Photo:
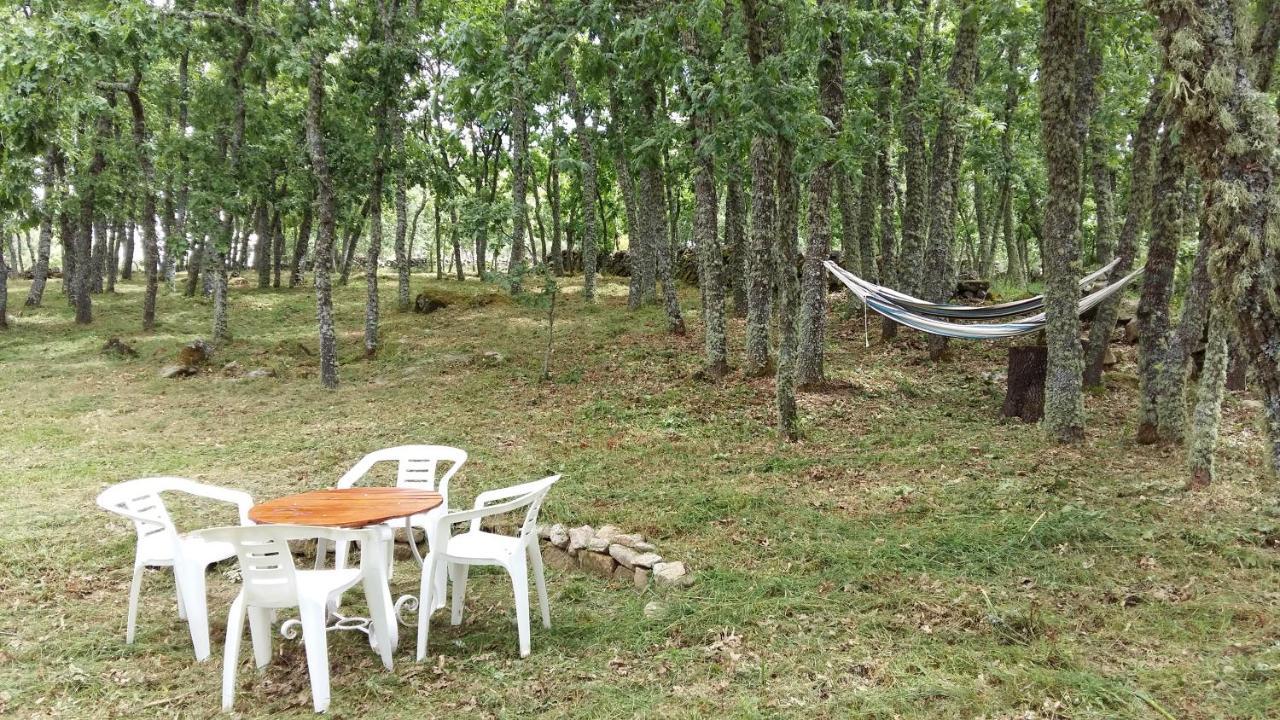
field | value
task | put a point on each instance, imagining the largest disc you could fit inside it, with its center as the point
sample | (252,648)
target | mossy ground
(913,557)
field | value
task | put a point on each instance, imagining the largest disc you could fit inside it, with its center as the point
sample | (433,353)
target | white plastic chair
(272,581)
(161,545)
(457,553)
(417,467)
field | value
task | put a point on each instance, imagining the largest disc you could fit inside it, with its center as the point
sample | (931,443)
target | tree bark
(587,184)
(784,263)
(40,271)
(735,236)
(327,223)
(1137,212)
(809,369)
(761,42)
(915,226)
(300,245)
(83,249)
(1207,416)
(1063,113)
(1157,290)
(939,268)
(519,146)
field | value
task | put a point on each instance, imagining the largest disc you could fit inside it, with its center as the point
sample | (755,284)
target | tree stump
(1025,395)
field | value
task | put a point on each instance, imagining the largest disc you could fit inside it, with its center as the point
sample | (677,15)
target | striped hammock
(976,331)
(970,312)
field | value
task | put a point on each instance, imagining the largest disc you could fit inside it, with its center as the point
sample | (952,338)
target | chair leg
(321,552)
(182,607)
(231,652)
(377,594)
(135,588)
(260,633)
(540,583)
(426,602)
(520,589)
(191,584)
(458,576)
(314,636)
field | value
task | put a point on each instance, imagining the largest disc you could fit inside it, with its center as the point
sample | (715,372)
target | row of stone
(611,554)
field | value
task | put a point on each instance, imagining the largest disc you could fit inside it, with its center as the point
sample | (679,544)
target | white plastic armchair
(161,545)
(272,581)
(418,467)
(517,554)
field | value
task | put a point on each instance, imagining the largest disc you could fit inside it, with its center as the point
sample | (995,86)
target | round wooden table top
(345,507)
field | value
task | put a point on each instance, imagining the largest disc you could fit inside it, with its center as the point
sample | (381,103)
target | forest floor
(913,557)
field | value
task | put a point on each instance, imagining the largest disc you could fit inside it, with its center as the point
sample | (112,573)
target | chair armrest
(445,522)
(489,496)
(241,499)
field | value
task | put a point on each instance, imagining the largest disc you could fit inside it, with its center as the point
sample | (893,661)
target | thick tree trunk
(1024,397)
(939,269)
(1063,113)
(1155,395)
(915,221)
(762,41)
(706,208)
(813,286)
(1141,171)
(277,248)
(40,271)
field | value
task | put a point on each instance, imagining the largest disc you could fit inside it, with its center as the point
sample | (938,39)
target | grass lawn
(913,557)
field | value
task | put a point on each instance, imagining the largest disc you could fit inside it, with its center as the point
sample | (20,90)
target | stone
(598,544)
(544,531)
(491,358)
(177,371)
(558,536)
(557,558)
(629,539)
(644,546)
(195,352)
(238,282)
(231,368)
(1252,405)
(621,575)
(597,564)
(1131,332)
(647,560)
(260,373)
(579,537)
(1109,358)
(609,532)
(640,579)
(654,609)
(119,348)
(672,574)
(624,555)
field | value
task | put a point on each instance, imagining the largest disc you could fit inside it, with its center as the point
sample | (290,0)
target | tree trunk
(784,263)
(327,224)
(40,271)
(277,248)
(867,215)
(915,225)
(1024,397)
(761,42)
(813,286)
(83,251)
(939,268)
(735,237)
(1141,172)
(706,208)
(889,270)
(1208,412)
(553,198)
(1155,394)
(519,145)
(1063,112)
(300,246)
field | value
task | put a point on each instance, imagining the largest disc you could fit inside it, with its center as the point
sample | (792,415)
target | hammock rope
(976,331)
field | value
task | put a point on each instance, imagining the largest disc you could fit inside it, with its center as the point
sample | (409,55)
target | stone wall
(609,553)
